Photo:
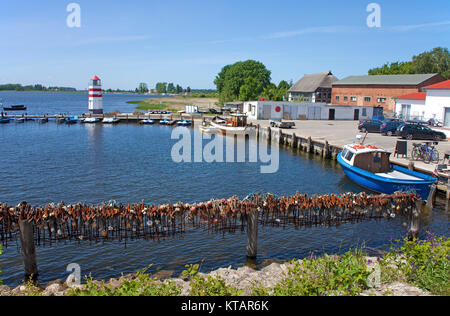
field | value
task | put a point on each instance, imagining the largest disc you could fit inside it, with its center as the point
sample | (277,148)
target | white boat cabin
(368,158)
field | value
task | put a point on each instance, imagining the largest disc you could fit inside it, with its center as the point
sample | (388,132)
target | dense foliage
(0,269)
(242,81)
(435,61)
(36,87)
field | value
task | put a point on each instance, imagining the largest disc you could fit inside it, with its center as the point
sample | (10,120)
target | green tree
(179,89)
(171,88)
(143,88)
(434,61)
(161,87)
(242,81)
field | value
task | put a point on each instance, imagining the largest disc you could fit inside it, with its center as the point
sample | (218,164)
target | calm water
(130,163)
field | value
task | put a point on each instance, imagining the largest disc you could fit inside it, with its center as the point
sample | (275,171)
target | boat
(16,108)
(20,120)
(4,120)
(43,120)
(148,122)
(110,120)
(60,120)
(208,129)
(91,120)
(237,125)
(370,167)
(184,123)
(164,122)
(72,120)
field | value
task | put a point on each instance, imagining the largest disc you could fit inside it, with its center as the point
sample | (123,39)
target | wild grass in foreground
(422,263)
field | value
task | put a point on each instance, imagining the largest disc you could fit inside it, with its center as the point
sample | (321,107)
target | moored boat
(91,120)
(110,120)
(164,122)
(237,125)
(370,167)
(16,108)
(4,120)
(148,122)
(184,123)
(72,120)
(208,129)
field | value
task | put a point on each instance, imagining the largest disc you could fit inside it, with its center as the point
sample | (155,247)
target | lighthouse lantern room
(95,96)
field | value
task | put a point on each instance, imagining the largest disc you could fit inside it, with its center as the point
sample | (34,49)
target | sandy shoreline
(179,102)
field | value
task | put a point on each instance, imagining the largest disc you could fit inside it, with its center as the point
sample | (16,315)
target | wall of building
(266,110)
(418,109)
(377,91)
(437,101)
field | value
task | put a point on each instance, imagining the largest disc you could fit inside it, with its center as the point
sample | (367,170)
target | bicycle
(426,152)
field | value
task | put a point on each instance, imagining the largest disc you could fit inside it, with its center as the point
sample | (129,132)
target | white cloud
(406,28)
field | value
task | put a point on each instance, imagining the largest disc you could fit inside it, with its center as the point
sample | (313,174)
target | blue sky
(188,42)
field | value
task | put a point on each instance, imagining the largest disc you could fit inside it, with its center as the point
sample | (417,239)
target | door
(332,115)
(406,111)
(447,117)
(356,117)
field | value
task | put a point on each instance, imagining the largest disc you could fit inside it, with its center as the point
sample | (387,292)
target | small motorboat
(184,123)
(370,167)
(208,129)
(110,120)
(164,122)
(20,120)
(72,120)
(91,120)
(4,120)
(43,120)
(60,120)
(16,108)
(148,122)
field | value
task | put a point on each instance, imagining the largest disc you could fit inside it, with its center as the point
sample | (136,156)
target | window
(364,112)
(353,99)
(349,156)
(367,99)
(345,98)
(381,100)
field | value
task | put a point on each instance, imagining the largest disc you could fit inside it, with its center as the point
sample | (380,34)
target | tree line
(434,61)
(36,87)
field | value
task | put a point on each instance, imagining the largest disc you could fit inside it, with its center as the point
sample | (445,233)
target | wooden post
(430,200)
(448,189)
(411,166)
(326,153)
(309,148)
(415,220)
(252,234)
(269,134)
(294,140)
(28,251)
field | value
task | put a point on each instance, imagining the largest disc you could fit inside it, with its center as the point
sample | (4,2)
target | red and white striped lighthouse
(95,96)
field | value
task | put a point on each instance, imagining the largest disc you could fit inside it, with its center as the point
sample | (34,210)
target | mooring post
(430,200)
(269,134)
(252,235)
(28,250)
(309,149)
(326,153)
(414,227)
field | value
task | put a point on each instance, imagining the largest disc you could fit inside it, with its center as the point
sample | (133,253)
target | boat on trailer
(370,167)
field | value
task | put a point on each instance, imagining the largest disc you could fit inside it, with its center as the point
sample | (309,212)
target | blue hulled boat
(184,123)
(148,122)
(370,167)
(4,120)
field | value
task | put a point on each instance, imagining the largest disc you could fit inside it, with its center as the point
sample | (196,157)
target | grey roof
(310,83)
(385,79)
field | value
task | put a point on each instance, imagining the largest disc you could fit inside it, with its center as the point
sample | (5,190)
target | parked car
(435,123)
(370,126)
(390,128)
(281,124)
(417,131)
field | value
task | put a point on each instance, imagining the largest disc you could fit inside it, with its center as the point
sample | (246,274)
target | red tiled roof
(440,85)
(413,96)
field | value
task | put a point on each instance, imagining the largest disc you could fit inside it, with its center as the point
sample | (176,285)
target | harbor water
(128,163)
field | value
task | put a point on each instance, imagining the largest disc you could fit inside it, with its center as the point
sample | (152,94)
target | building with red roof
(432,103)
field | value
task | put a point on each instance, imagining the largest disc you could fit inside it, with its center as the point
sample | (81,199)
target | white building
(271,110)
(434,103)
